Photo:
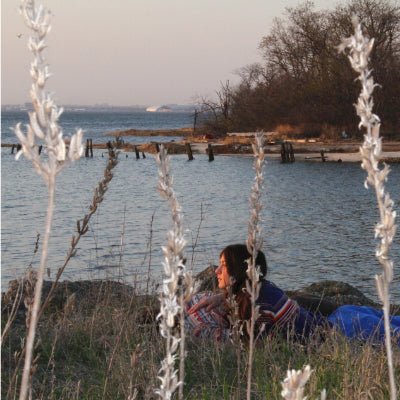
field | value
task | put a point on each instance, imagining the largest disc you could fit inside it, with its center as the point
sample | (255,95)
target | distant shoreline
(151,132)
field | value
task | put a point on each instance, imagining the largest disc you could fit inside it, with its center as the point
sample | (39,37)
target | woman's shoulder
(268,285)
(270,293)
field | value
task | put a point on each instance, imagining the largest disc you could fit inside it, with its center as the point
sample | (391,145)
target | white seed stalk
(254,244)
(359,48)
(44,126)
(43,121)
(177,287)
(294,383)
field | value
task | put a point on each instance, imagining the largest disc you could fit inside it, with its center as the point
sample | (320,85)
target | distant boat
(159,109)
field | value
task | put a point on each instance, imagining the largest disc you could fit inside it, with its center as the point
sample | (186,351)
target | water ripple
(318,218)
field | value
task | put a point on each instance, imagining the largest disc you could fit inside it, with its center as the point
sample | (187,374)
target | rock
(337,292)
(85,295)
(206,280)
(323,296)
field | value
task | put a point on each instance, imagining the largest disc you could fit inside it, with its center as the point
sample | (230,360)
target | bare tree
(303,79)
(218,110)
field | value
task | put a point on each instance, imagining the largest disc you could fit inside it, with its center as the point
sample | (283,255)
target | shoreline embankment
(312,150)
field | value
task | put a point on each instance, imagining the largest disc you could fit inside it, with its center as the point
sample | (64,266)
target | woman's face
(224,279)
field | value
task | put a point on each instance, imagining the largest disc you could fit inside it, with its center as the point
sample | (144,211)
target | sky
(138,52)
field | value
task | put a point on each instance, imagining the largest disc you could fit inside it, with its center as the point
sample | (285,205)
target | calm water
(96,125)
(318,218)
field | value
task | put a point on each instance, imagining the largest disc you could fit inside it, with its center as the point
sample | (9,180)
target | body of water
(318,219)
(97,125)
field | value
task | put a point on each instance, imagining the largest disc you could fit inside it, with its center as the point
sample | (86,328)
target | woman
(276,310)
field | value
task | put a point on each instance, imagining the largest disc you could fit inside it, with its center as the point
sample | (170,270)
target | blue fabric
(277,310)
(365,323)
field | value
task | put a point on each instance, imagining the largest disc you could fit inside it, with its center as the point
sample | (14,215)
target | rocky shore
(324,296)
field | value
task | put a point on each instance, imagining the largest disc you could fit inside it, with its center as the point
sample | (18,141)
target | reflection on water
(318,218)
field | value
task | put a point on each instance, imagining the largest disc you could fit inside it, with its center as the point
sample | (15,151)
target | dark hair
(235,258)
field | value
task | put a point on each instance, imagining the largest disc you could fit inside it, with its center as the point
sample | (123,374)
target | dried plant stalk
(177,286)
(254,244)
(82,225)
(293,384)
(359,48)
(43,126)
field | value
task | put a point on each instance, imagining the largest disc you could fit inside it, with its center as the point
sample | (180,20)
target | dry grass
(104,344)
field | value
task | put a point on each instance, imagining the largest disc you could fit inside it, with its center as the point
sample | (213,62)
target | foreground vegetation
(106,345)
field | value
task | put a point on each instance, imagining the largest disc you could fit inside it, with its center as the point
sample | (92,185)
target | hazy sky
(150,52)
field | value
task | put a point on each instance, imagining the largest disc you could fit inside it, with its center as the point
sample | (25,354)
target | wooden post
(196,113)
(210,153)
(87,148)
(287,148)
(19,147)
(287,152)
(291,153)
(137,153)
(283,152)
(323,158)
(12,148)
(189,152)
(143,155)
(157,147)
(91,147)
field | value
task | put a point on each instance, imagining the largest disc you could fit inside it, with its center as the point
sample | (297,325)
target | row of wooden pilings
(89,150)
(18,147)
(189,151)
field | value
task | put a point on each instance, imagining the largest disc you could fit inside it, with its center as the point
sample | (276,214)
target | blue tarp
(365,323)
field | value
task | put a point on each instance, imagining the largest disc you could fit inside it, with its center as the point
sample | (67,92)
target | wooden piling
(287,152)
(210,152)
(189,152)
(87,148)
(195,115)
(19,147)
(157,147)
(283,152)
(137,153)
(291,153)
(12,148)
(323,158)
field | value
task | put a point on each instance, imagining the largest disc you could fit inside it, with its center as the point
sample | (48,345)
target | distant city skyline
(142,52)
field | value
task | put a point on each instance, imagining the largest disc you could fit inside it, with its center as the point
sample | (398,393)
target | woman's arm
(209,303)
